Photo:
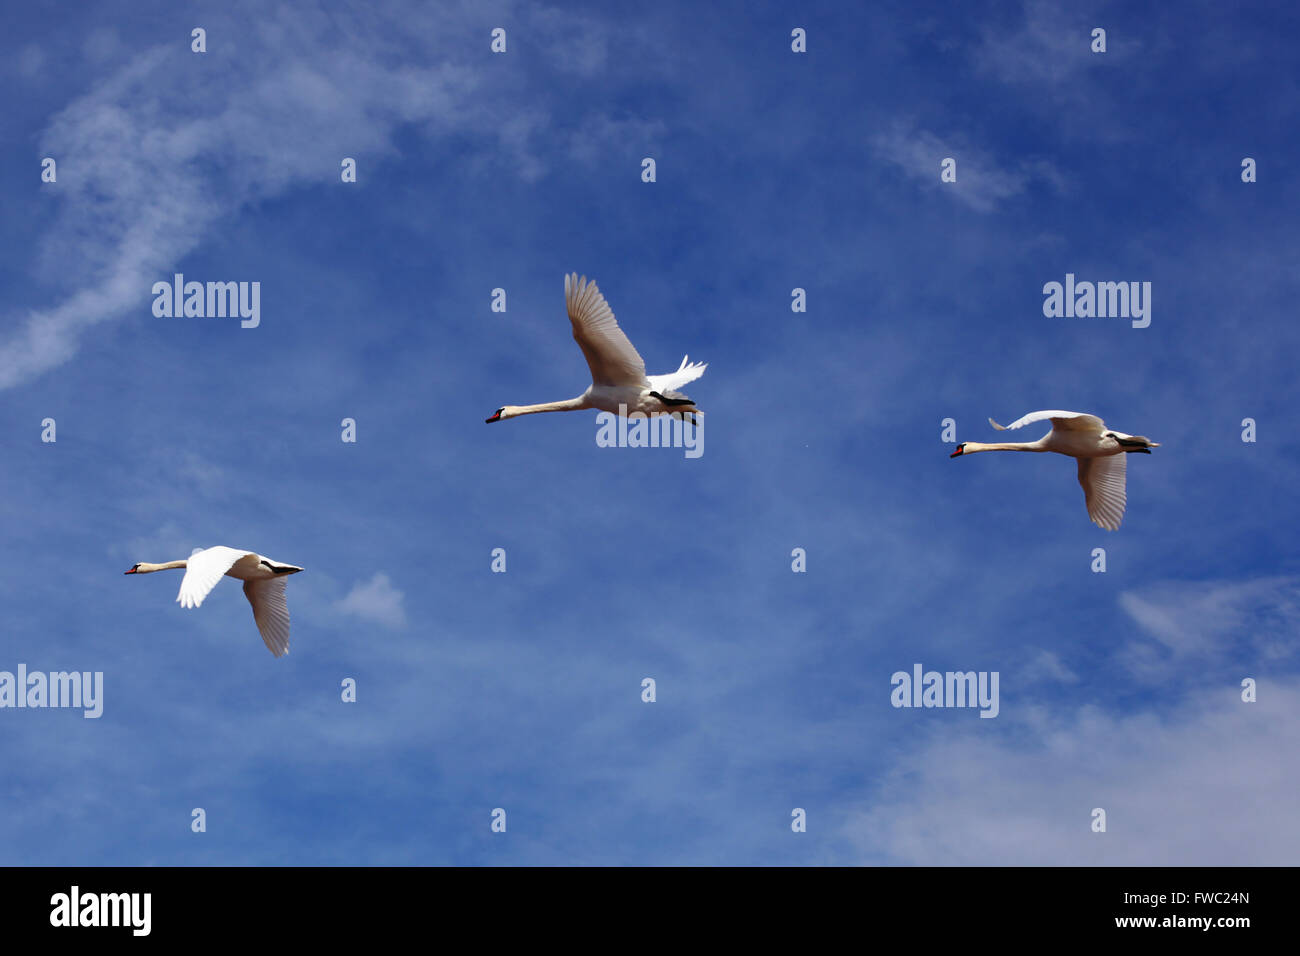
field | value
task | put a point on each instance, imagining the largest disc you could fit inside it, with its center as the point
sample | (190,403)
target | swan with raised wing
(619,382)
(264,582)
(1102,454)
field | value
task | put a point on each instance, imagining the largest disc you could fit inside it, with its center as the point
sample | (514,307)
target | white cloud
(1211,784)
(376,600)
(1050,47)
(1203,622)
(200,474)
(160,151)
(155,155)
(983,182)
(1047,665)
(1207,781)
(1046,48)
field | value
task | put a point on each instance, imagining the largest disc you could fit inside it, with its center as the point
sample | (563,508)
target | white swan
(263,579)
(619,383)
(1101,454)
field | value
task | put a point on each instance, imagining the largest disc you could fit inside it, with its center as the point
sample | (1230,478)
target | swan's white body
(1101,453)
(619,382)
(263,579)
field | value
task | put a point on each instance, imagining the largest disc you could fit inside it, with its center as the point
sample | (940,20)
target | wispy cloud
(167,146)
(1051,45)
(377,601)
(1208,622)
(1047,666)
(138,194)
(1201,786)
(983,182)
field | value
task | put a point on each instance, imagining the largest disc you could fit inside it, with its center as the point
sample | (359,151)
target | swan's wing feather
(202,572)
(610,355)
(670,381)
(1067,421)
(1103,481)
(271,612)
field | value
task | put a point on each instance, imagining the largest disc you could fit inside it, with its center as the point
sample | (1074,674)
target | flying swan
(264,582)
(1101,454)
(619,383)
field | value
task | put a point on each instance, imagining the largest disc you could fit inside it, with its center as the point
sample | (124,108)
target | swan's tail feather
(672,398)
(1137,443)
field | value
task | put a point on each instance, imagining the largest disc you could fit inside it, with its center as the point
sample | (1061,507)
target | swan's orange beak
(956,453)
(496,416)
(132,571)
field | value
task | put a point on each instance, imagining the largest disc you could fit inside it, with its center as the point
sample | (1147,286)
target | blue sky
(522,690)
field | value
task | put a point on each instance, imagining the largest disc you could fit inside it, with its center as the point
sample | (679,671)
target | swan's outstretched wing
(271,612)
(1103,489)
(671,381)
(203,570)
(610,356)
(1067,421)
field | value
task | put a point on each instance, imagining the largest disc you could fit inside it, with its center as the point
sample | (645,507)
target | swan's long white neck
(568,405)
(145,568)
(974,446)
